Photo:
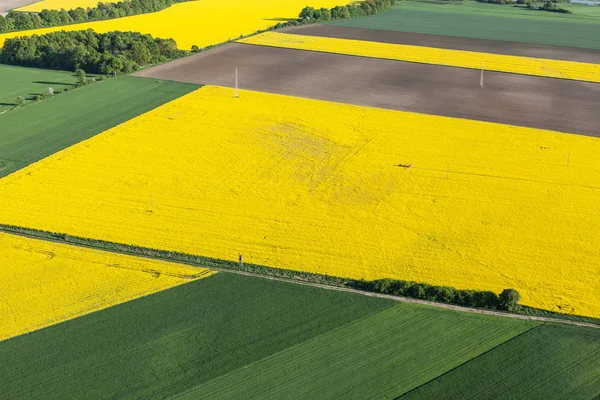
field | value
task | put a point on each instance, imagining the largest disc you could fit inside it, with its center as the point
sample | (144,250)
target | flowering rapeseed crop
(201,23)
(429,55)
(43,283)
(335,189)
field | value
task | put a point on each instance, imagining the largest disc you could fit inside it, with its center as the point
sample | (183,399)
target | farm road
(555,104)
(327,287)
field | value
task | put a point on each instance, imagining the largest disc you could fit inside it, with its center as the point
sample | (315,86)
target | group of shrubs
(82,80)
(548,5)
(19,21)
(508,300)
(103,53)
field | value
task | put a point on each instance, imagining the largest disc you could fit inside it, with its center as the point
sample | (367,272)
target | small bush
(509,300)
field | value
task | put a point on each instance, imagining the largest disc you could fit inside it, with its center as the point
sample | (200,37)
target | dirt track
(556,104)
(450,42)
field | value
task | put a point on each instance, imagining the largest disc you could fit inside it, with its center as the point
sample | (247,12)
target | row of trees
(19,21)
(359,9)
(508,299)
(104,53)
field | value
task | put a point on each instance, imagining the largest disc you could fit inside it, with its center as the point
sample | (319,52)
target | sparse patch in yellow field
(429,55)
(335,189)
(58,4)
(44,283)
(200,23)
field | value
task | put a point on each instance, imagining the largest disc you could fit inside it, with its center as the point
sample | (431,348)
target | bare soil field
(450,42)
(7,5)
(556,104)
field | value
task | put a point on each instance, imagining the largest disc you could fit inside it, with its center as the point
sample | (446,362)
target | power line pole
(481,79)
(236,84)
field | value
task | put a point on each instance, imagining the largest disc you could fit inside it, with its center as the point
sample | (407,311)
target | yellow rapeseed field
(335,189)
(44,283)
(58,4)
(429,55)
(201,23)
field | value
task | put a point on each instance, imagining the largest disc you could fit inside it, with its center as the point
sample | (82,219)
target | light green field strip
(380,356)
(548,362)
(428,55)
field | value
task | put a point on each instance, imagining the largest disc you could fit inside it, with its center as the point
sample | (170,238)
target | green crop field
(231,336)
(490,21)
(548,362)
(29,82)
(166,343)
(380,356)
(37,130)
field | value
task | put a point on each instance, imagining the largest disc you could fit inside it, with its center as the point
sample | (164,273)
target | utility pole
(481,79)
(236,95)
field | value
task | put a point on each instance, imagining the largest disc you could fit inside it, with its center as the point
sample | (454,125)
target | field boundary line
(39,236)
(468,361)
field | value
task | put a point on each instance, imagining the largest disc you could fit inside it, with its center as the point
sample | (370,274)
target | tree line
(357,9)
(507,300)
(20,21)
(104,53)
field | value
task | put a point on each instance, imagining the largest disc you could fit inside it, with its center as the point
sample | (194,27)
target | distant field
(200,23)
(29,82)
(489,21)
(322,187)
(429,55)
(158,346)
(33,132)
(548,362)
(43,283)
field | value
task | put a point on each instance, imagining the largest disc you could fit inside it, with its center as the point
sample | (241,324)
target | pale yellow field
(430,55)
(58,4)
(44,283)
(315,186)
(201,23)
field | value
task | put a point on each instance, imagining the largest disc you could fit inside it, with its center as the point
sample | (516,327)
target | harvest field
(505,98)
(31,133)
(428,55)
(198,341)
(315,186)
(28,82)
(43,283)
(201,23)
(471,19)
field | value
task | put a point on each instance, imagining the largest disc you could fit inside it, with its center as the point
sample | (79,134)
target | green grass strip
(489,21)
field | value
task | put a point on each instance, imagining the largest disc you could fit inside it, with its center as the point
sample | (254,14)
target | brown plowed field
(450,42)
(557,104)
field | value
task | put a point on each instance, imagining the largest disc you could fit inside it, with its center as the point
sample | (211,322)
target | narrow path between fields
(323,286)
